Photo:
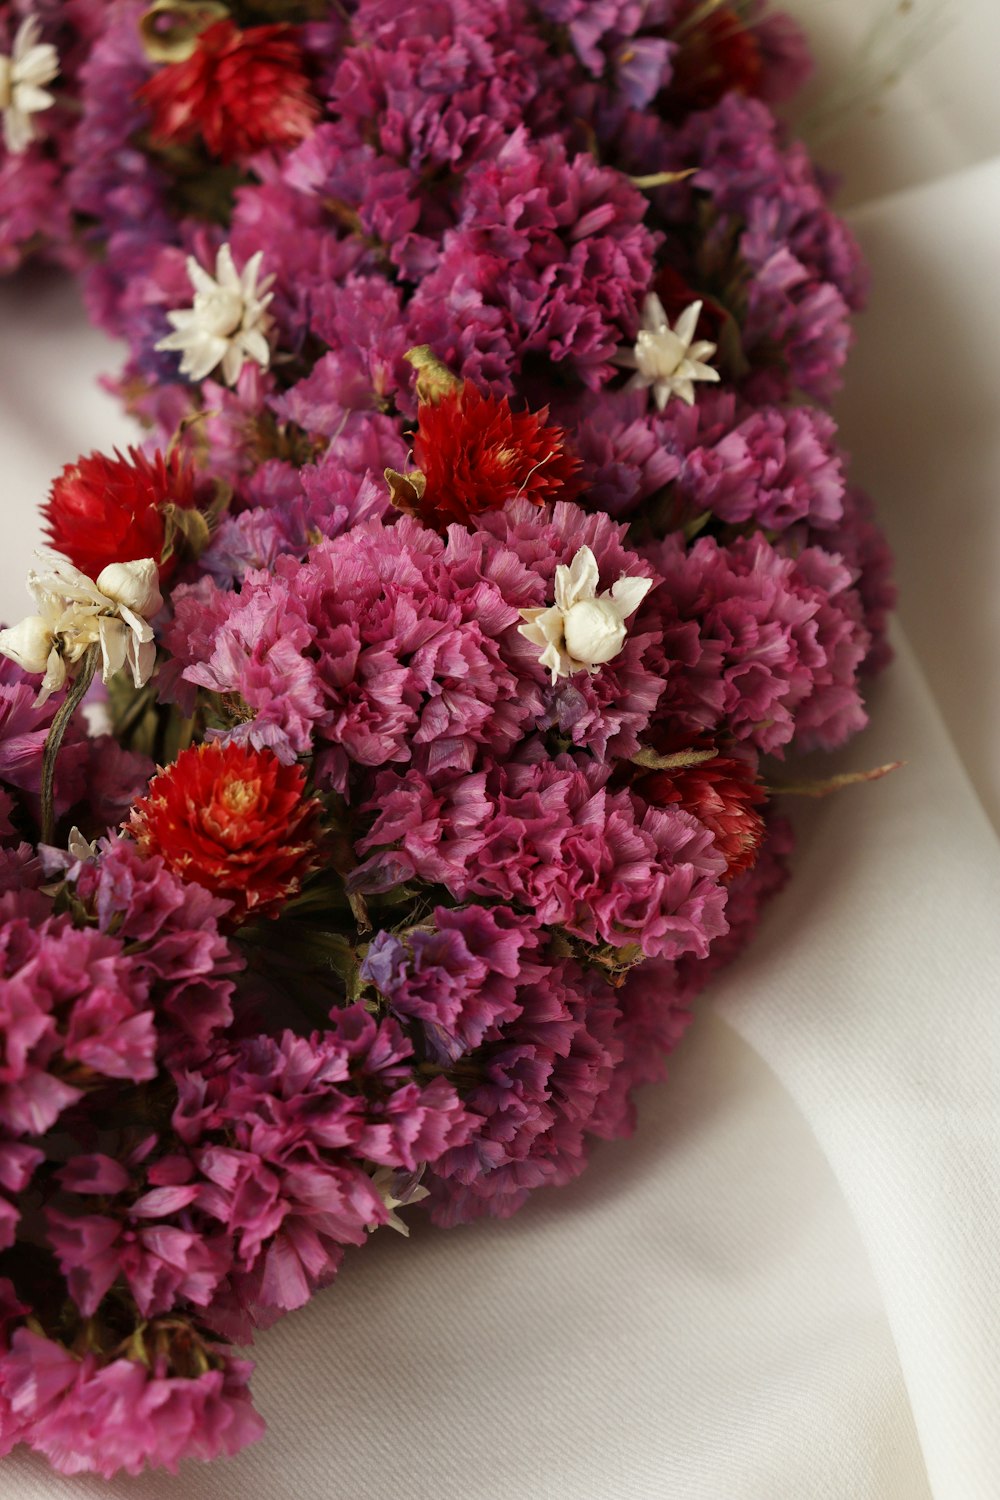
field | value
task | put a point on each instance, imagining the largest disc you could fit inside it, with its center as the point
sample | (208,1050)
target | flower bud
(29,643)
(132,584)
(594,631)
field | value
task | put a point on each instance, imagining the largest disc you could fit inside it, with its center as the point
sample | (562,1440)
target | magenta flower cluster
(494,874)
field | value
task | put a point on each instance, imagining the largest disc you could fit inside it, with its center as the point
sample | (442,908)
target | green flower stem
(67,709)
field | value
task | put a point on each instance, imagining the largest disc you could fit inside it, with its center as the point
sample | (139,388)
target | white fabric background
(786,1286)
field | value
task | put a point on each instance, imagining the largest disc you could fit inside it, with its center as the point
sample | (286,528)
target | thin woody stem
(54,740)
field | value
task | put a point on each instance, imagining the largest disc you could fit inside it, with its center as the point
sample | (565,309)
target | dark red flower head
(475,455)
(718,53)
(106,510)
(240,91)
(234,820)
(723,794)
(676,294)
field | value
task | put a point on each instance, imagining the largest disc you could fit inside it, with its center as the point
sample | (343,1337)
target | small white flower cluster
(23,76)
(668,359)
(75,613)
(228,321)
(583,629)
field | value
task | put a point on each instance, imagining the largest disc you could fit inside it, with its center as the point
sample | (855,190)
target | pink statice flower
(280,1132)
(380,648)
(538,1085)
(443,85)
(458,978)
(554,840)
(18,1161)
(162,1264)
(73,1005)
(760,644)
(90,1416)
(179,954)
(556,245)
(775,467)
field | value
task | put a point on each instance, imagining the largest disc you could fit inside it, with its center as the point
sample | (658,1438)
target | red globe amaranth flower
(718,54)
(723,794)
(234,820)
(104,510)
(476,454)
(240,91)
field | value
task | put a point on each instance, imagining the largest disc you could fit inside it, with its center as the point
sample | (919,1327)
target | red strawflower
(234,820)
(104,510)
(719,53)
(723,794)
(240,91)
(476,454)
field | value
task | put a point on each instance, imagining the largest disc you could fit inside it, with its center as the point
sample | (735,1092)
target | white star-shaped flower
(384,1181)
(583,629)
(668,359)
(228,322)
(75,613)
(23,74)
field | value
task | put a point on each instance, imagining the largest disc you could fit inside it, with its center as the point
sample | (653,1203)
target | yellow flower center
(240,796)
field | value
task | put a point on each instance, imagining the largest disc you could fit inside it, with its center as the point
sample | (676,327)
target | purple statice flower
(785,55)
(368,199)
(361,324)
(95,778)
(628,38)
(653,1015)
(761,646)
(180,956)
(288,216)
(20,868)
(864,548)
(556,246)
(655,1000)
(36,219)
(377,647)
(113,182)
(389,644)
(456,978)
(122,1414)
(252,540)
(7,830)
(625,461)
(116,778)
(256,643)
(537,1085)
(141,1230)
(34,211)
(18,1161)
(324,499)
(750,175)
(279,1133)
(160,1263)
(776,467)
(772,252)
(543,536)
(556,842)
(24,729)
(12,1313)
(424,832)
(72,1003)
(439,86)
